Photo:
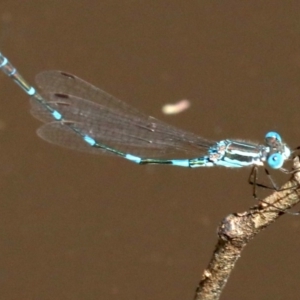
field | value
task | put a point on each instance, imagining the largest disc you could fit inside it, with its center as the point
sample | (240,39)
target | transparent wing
(107,120)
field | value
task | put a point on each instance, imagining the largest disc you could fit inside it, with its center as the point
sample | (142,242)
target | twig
(236,230)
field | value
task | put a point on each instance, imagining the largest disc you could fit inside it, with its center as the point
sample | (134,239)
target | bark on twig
(237,229)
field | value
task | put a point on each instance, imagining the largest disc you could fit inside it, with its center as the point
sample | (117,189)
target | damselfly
(81,116)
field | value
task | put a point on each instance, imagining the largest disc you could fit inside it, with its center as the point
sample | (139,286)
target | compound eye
(273,135)
(275,161)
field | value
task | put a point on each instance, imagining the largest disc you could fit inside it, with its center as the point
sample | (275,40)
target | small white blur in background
(173,109)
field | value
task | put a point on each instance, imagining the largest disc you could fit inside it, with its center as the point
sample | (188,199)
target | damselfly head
(278,151)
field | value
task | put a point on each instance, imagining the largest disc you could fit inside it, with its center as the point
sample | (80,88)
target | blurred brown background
(78,226)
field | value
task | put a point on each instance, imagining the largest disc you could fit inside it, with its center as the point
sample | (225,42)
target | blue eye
(273,134)
(275,161)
